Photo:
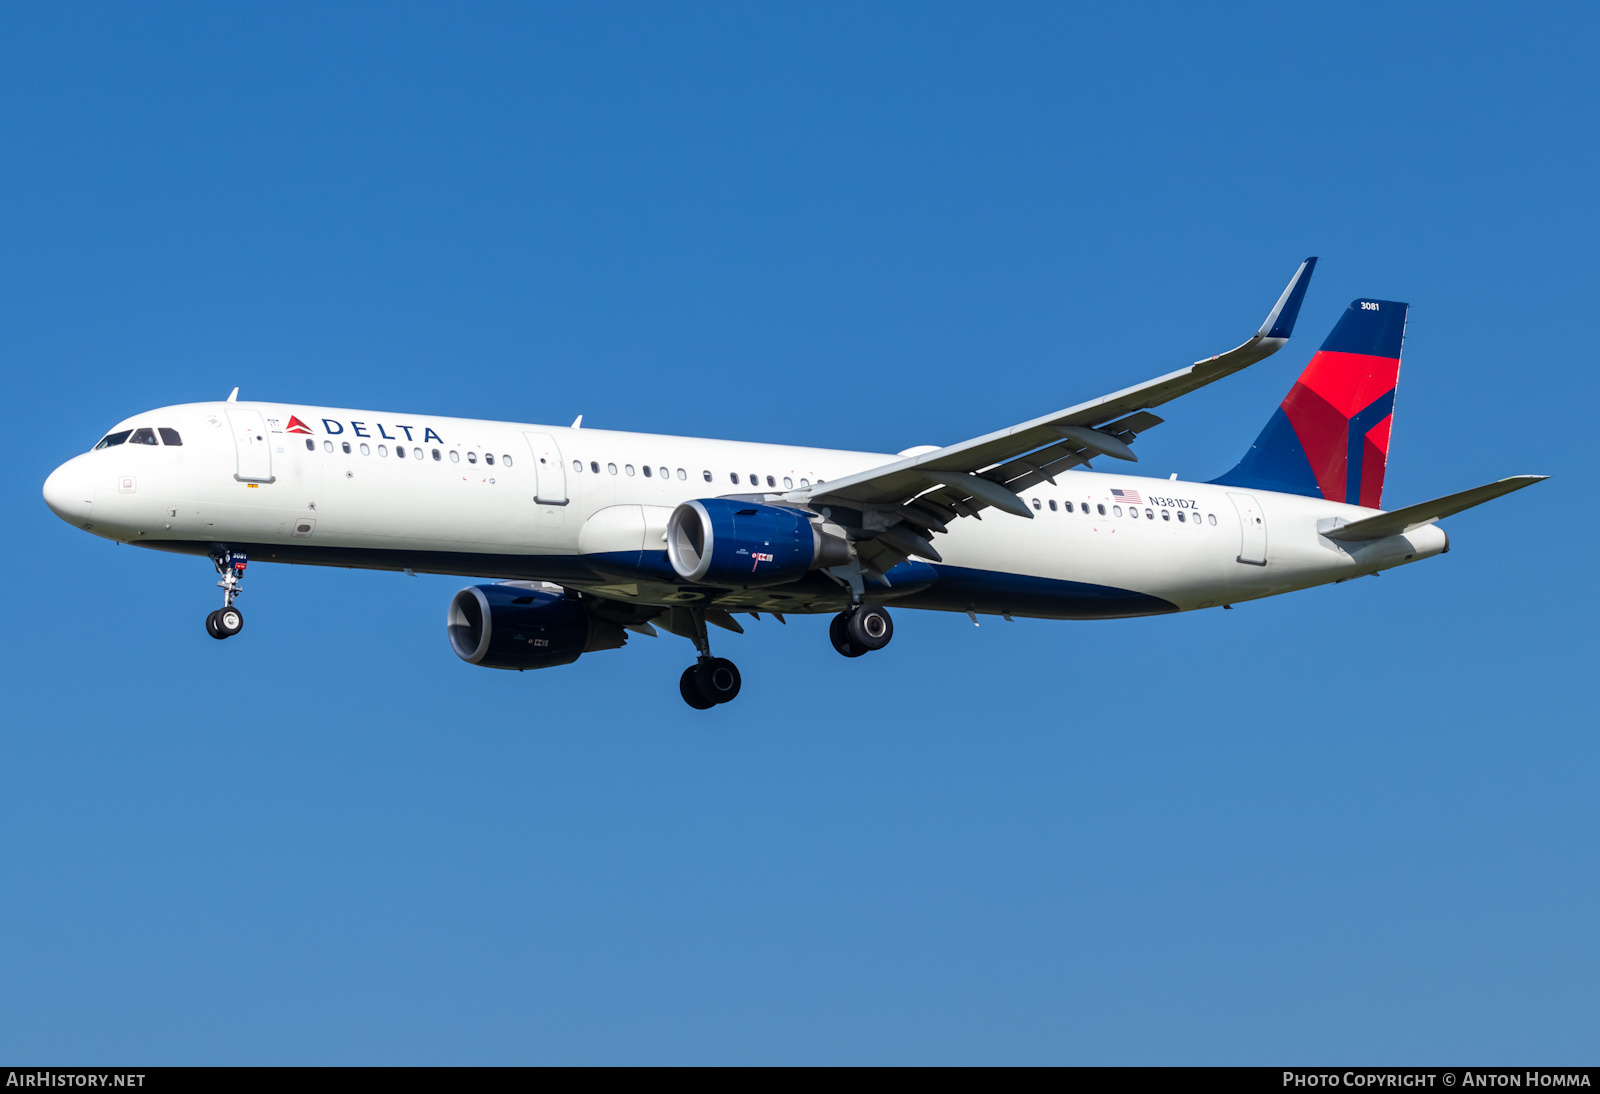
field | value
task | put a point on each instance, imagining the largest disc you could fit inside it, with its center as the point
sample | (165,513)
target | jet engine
(723,541)
(516,627)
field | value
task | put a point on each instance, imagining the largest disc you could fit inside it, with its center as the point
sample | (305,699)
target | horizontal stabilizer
(1404,520)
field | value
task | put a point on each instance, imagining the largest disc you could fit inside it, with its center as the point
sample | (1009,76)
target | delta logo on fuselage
(359,429)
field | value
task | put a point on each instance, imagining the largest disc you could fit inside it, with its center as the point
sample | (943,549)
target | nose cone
(69,491)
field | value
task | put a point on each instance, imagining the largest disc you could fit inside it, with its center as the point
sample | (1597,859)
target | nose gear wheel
(224,623)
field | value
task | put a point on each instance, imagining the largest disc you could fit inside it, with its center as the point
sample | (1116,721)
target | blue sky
(1356,823)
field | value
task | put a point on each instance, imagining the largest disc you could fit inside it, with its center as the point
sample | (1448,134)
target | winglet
(233,396)
(1280,323)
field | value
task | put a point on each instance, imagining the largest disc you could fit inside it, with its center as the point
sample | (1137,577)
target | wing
(896,508)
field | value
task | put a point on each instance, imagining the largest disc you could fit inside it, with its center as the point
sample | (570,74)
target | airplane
(587,535)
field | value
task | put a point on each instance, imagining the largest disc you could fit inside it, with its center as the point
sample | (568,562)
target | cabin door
(253,443)
(1252,530)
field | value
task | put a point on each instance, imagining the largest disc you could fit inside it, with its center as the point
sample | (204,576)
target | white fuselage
(473,498)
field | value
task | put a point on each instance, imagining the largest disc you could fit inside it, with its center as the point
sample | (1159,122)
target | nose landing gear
(227,620)
(861,629)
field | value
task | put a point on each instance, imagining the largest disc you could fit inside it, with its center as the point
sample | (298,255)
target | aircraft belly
(1061,566)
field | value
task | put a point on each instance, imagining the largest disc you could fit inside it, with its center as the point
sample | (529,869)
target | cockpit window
(113,438)
(170,436)
(144,435)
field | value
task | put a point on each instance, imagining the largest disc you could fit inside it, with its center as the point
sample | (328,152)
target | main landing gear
(861,628)
(710,680)
(227,620)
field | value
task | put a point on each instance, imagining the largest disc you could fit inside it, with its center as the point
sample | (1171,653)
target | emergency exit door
(547,466)
(253,443)
(1252,530)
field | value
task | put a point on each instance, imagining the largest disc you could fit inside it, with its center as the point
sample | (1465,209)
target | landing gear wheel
(839,635)
(717,679)
(870,627)
(689,689)
(227,620)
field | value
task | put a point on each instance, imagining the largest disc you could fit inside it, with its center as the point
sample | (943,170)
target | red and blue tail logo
(1330,438)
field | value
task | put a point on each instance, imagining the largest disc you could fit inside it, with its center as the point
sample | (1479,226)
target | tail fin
(1330,437)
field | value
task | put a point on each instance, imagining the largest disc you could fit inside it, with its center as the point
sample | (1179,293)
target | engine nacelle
(725,542)
(511,627)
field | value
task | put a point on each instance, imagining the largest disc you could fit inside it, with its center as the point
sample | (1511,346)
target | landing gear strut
(861,629)
(227,620)
(710,680)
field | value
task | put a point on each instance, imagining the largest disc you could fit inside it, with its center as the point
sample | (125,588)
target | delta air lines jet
(586,535)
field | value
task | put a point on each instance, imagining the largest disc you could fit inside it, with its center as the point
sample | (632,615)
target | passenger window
(399,451)
(666,473)
(346,446)
(1102,509)
(416,453)
(1148,515)
(755,480)
(734,475)
(707,474)
(612,468)
(771,481)
(1037,504)
(1067,505)
(628,467)
(1052,505)
(455,457)
(1211,518)
(682,474)
(488,458)
(327,446)
(383,449)
(365,450)
(113,438)
(436,456)
(1166,514)
(646,470)
(1132,512)
(594,466)
(577,465)
(788,483)
(170,436)
(144,435)
(1180,516)
(505,461)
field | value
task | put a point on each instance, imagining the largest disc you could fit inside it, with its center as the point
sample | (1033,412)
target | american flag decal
(1131,497)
